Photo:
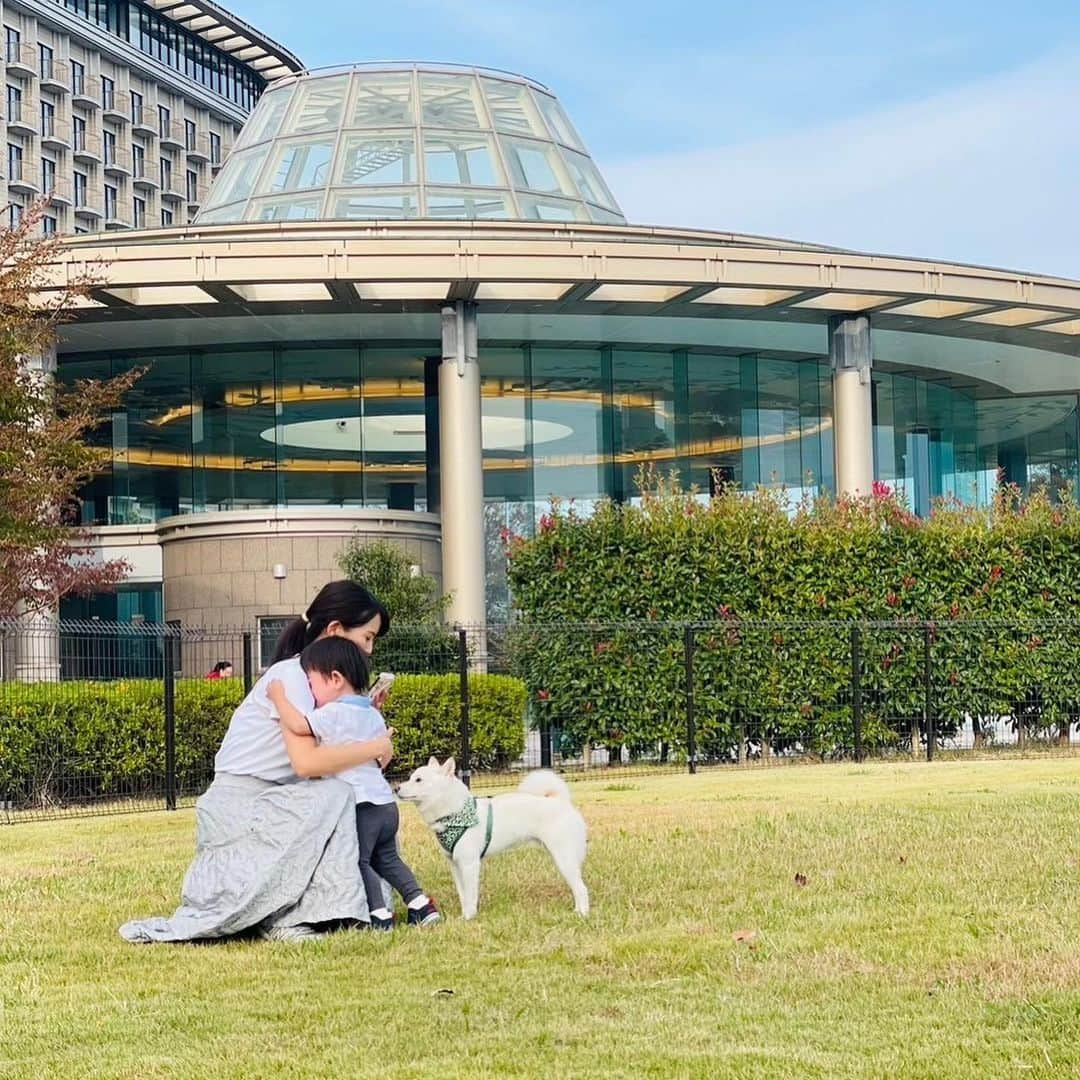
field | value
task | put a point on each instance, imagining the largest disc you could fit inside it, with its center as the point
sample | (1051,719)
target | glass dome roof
(398,141)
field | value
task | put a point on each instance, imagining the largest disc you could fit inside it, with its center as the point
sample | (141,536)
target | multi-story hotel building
(120,110)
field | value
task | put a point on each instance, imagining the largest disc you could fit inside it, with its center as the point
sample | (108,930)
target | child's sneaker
(424,916)
(382,923)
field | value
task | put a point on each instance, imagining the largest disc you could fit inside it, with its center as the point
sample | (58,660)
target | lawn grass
(935,936)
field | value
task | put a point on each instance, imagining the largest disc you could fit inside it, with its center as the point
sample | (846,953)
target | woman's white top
(254,745)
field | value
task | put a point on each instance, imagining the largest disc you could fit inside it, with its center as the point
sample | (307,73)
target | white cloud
(983,174)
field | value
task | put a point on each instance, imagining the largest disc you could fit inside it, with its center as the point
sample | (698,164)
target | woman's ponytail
(291,641)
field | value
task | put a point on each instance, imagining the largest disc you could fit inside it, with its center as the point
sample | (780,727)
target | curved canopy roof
(399,141)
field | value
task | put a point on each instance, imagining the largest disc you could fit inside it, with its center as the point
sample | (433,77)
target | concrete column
(461,465)
(37,635)
(853,425)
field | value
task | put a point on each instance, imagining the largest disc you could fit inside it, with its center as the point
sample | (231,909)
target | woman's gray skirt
(266,855)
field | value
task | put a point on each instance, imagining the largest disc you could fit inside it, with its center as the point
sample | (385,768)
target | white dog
(470,829)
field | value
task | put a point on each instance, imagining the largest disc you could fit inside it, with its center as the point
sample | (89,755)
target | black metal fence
(103,718)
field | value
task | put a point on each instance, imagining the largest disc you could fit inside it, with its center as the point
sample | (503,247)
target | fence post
(856,689)
(928,696)
(691,730)
(248,662)
(170,652)
(464,765)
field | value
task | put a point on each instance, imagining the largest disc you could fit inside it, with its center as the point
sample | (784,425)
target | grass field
(935,935)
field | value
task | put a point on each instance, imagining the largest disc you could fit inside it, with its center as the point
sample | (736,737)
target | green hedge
(60,741)
(775,592)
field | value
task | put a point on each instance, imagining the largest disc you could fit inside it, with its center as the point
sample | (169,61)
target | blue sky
(944,129)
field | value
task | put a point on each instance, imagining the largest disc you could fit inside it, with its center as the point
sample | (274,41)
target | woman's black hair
(330,654)
(338,601)
(221,665)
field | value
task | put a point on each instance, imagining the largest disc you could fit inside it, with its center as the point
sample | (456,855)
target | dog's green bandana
(455,826)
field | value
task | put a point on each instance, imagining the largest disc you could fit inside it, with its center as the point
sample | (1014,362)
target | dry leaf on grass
(744,935)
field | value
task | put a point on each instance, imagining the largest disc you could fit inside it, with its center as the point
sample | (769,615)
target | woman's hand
(276,691)
(378,699)
(384,758)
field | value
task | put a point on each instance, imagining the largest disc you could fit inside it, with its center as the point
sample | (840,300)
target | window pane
(384,159)
(467,205)
(512,109)
(383,101)
(266,119)
(535,165)
(590,183)
(558,121)
(237,178)
(299,164)
(306,209)
(461,159)
(449,101)
(550,209)
(376,205)
(319,105)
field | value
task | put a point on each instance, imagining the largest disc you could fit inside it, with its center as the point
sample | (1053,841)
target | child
(338,672)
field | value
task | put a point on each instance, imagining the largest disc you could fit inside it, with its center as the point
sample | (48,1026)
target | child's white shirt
(353,718)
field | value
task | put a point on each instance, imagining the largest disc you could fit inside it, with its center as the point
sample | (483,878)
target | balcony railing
(59,192)
(55,132)
(86,145)
(21,176)
(171,134)
(117,160)
(55,74)
(198,148)
(19,117)
(21,58)
(141,120)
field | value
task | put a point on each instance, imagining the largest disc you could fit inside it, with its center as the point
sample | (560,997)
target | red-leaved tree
(44,456)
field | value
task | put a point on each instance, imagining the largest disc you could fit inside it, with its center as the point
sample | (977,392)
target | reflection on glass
(449,101)
(237,178)
(512,109)
(534,165)
(643,424)
(381,159)
(537,209)
(306,209)
(460,159)
(300,164)
(369,206)
(383,100)
(267,117)
(318,105)
(466,205)
(587,177)
(559,123)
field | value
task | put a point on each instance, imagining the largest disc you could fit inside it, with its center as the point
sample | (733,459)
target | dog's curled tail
(545,784)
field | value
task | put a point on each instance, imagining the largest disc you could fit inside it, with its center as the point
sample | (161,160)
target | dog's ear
(433,762)
(448,767)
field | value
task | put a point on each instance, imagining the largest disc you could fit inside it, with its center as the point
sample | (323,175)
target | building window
(78,77)
(80,189)
(12,41)
(166,217)
(78,133)
(270,628)
(164,121)
(215,148)
(45,61)
(139,207)
(192,186)
(14,159)
(189,135)
(111,200)
(48,175)
(166,174)
(48,119)
(138,159)
(14,215)
(109,147)
(136,108)
(14,104)
(48,225)
(108,92)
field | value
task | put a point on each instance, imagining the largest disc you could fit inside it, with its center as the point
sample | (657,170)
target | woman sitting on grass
(276,850)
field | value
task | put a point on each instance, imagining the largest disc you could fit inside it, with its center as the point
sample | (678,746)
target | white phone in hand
(382,684)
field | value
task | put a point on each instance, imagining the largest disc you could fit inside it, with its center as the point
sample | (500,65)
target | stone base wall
(218,569)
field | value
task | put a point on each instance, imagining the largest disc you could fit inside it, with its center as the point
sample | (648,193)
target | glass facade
(160,37)
(403,142)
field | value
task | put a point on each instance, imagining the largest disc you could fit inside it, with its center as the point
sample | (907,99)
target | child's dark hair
(344,602)
(330,654)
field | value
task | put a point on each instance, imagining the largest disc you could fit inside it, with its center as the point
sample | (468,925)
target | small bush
(61,741)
